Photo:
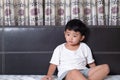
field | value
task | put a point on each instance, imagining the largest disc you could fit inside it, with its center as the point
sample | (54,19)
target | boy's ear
(64,32)
(83,37)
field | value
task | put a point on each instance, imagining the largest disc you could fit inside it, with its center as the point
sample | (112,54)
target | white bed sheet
(38,77)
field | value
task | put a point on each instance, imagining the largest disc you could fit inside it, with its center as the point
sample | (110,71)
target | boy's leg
(98,72)
(75,75)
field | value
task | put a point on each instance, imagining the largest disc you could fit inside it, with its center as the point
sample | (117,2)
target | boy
(72,57)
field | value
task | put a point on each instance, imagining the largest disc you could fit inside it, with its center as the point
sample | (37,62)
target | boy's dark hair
(76,25)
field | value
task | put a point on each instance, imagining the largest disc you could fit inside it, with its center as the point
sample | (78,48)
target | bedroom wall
(26,50)
(1,51)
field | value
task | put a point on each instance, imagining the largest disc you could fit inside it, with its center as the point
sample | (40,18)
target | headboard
(27,50)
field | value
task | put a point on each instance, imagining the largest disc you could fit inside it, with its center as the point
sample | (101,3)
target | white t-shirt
(66,59)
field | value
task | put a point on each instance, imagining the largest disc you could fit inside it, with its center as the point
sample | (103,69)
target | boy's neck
(72,47)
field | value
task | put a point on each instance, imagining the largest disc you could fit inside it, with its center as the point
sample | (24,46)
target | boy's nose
(71,38)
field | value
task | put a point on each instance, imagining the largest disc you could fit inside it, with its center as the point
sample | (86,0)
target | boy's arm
(51,69)
(92,64)
(50,72)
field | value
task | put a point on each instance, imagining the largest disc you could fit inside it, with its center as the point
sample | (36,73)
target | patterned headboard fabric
(27,50)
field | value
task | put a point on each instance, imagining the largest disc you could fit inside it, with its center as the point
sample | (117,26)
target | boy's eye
(68,34)
(74,36)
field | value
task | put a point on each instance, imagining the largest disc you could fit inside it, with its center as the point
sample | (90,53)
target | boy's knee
(73,71)
(107,68)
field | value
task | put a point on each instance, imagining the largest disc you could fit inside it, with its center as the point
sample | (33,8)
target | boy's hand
(47,78)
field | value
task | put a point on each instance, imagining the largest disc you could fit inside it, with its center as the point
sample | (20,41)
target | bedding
(38,77)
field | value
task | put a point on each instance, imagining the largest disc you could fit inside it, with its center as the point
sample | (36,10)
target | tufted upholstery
(27,50)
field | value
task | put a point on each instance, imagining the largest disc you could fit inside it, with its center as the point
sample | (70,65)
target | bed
(38,77)
(25,51)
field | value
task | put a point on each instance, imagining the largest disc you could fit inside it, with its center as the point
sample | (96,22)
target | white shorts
(83,71)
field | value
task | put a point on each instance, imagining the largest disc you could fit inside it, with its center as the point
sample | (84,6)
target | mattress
(38,77)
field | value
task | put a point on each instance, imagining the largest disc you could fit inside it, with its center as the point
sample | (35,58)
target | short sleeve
(88,54)
(55,56)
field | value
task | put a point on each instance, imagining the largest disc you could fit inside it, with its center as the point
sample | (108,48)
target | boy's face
(72,37)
